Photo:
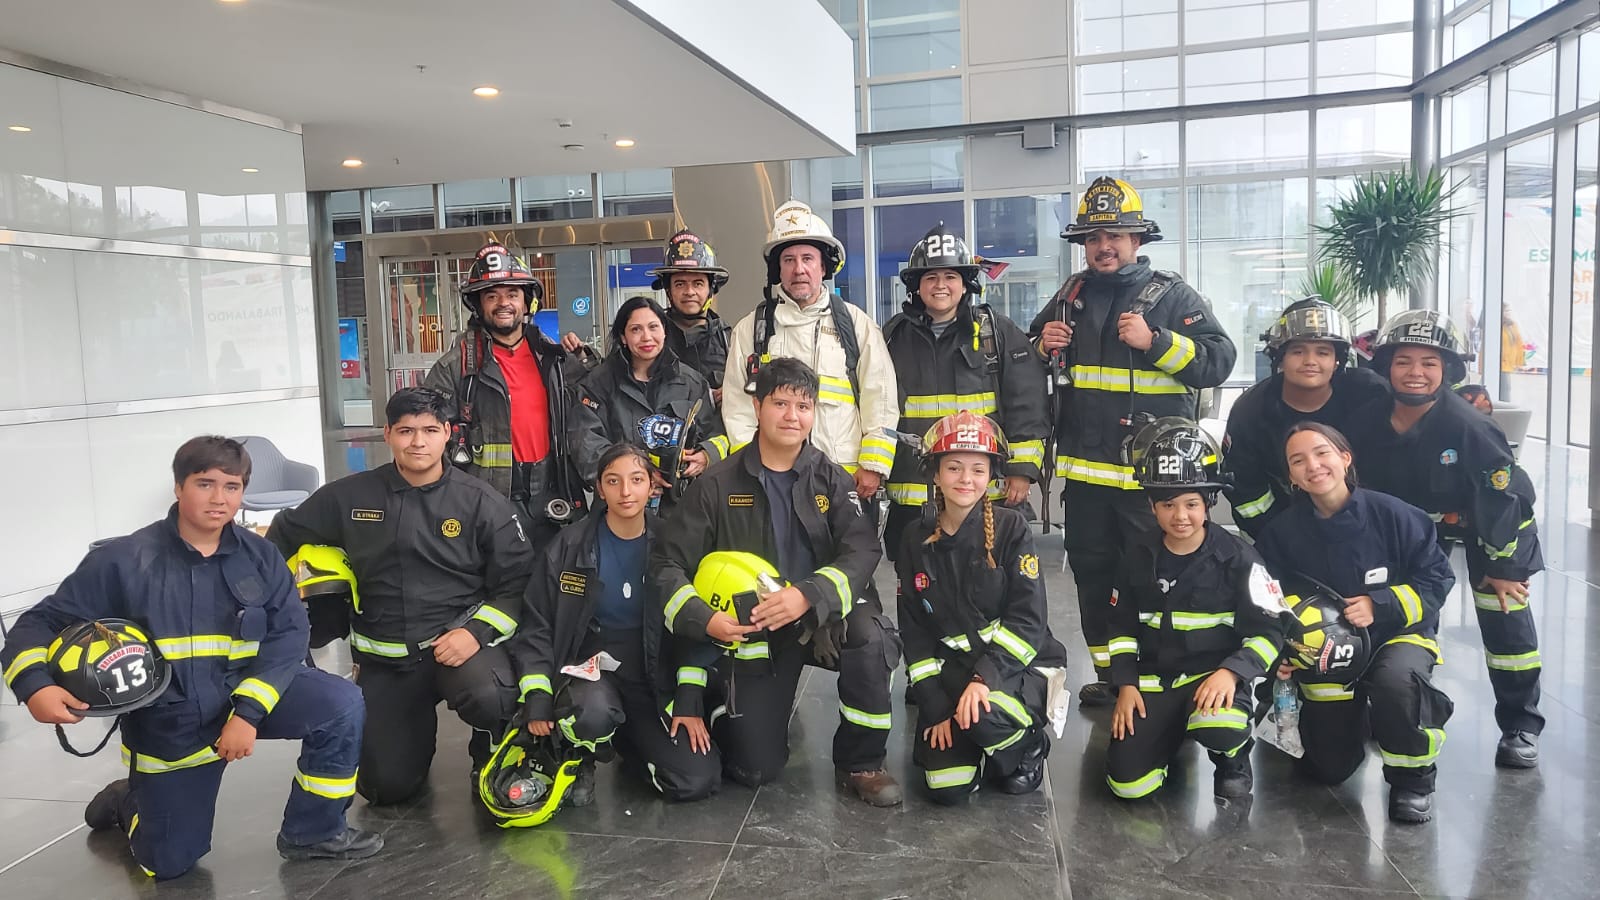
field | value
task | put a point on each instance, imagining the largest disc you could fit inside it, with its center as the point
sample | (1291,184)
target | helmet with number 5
(1111,204)
(111,664)
(940,249)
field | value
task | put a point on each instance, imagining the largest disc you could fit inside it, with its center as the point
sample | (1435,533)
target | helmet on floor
(495,266)
(795,223)
(1322,643)
(111,664)
(1111,204)
(327,587)
(966,432)
(1173,455)
(526,778)
(1310,319)
(731,581)
(1423,328)
(940,249)
(688,254)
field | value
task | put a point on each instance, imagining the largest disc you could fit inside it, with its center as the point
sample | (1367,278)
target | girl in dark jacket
(974,620)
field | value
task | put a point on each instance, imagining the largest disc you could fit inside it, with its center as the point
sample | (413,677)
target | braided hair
(988,525)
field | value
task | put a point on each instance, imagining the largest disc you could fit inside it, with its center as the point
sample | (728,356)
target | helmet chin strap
(1405,399)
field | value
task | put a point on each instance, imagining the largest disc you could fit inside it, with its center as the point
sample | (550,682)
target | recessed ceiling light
(487,90)
(250,169)
(20,129)
(624,143)
(352,163)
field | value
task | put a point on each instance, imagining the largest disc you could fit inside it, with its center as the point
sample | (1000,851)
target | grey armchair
(275,481)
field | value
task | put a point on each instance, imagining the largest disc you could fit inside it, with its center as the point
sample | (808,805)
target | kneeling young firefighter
(780,499)
(591,604)
(190,629)
(1195,620)
(440,563)
(1378,556)
(975,623)
(1433,450)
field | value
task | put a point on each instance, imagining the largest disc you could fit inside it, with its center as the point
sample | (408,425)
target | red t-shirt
(530,403)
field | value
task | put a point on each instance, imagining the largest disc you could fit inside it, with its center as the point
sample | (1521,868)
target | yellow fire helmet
(320,571)
(524,782)
(730,581)
(1111,204)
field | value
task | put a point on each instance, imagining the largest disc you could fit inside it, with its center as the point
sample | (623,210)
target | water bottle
(1286,715)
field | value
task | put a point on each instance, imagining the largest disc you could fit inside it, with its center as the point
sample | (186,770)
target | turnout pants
(403,722)
(994,746)
(1098,523)
(1396,702)
(1136,765)
(761,685)
(171,803)
(1510,647)
(623,713)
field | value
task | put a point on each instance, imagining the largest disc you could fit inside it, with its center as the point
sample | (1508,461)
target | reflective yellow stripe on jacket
(937,406)
(1095,472)
(492,456)
(1113,378)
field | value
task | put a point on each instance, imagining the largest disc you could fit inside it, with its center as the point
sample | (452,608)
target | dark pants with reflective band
(1510,647)
(403,723)
(755,744)
(595,712)
(1099,523)
(995,745)
(1137,764)
(1407,715)
(168,814)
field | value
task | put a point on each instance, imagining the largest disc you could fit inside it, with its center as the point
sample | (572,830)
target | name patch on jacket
(1194,319)
(573,583)
(741,500)
(366,515)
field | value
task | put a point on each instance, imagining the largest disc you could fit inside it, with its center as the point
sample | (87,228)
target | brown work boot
(877,787)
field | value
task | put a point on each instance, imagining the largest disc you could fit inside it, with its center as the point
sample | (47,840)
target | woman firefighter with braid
(974,621)
(1194,622)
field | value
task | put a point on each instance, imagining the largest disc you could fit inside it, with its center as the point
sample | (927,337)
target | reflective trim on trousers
(1400,760)
(879,721)
(154,765)
(1491,602)
(1139,787)
(955,776)
(1327,693)
(322,786)
(1514,662)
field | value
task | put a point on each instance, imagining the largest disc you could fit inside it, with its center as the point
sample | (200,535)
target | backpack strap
(845,327)
(1161,282)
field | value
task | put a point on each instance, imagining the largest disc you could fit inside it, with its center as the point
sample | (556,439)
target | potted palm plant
(1327,281)
(1383,237)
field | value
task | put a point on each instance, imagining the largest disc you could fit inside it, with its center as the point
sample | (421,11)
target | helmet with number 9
(110,664)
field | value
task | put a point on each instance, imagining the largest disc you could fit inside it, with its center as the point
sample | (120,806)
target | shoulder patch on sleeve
(1265,592)
(1028,565)
(588,401)
(1194,319)
(1500,478)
